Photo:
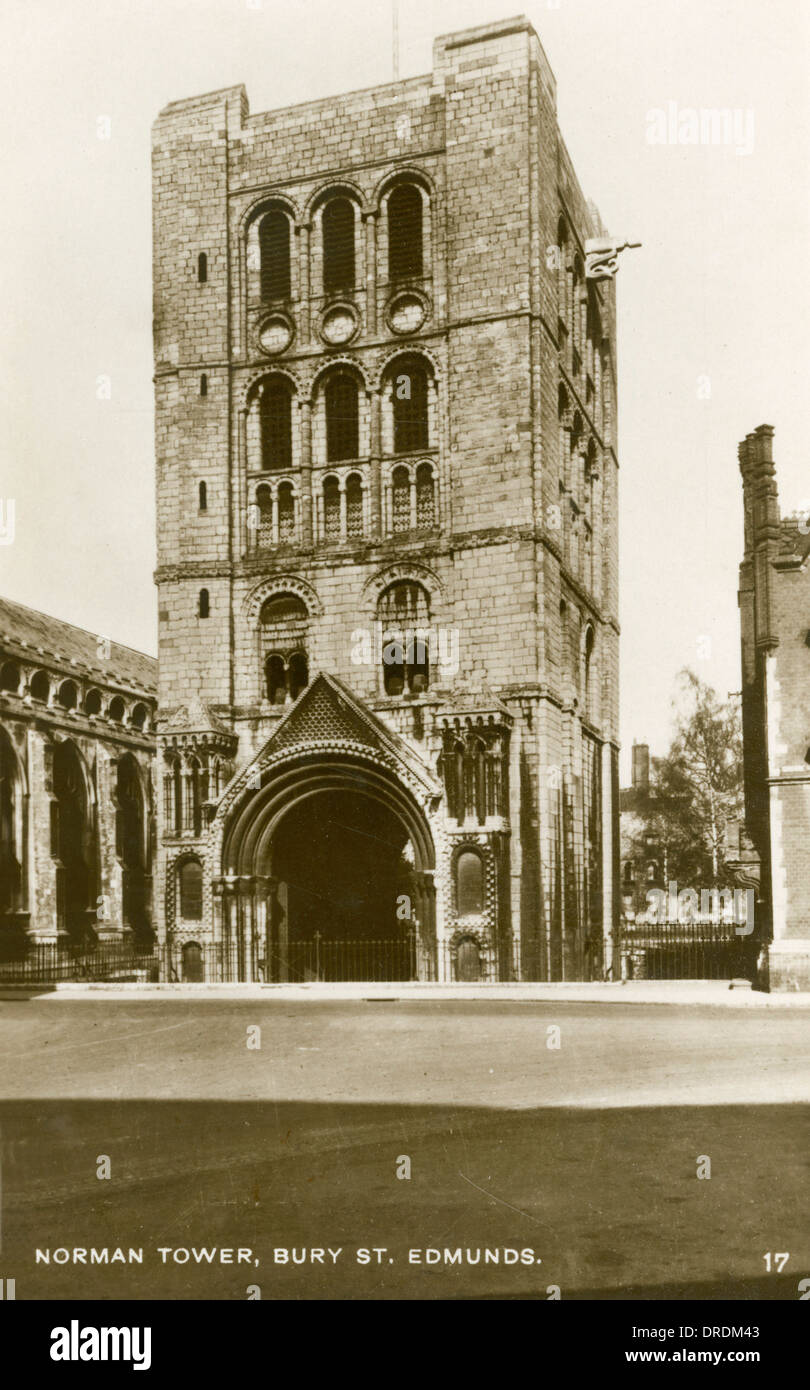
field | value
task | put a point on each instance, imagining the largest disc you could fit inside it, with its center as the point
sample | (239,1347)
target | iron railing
(47,964)
(687,951)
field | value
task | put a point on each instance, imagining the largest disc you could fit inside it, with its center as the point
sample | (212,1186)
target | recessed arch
(256,814)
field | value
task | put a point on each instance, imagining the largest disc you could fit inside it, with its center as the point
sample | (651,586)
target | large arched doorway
(72,846)
(328,876)
(343,902)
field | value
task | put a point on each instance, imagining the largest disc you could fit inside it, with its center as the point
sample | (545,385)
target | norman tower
(387,543)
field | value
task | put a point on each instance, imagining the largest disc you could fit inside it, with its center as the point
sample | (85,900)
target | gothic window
(405,232)
(342,418)
(203,604)
(469,883)
(401,499)
(274,255)
(331,509)
(404,612)
(354,505)
(410,403)
(190,878)
(203,497)
(425,496)
(338,245)
(275,423)
(286,512)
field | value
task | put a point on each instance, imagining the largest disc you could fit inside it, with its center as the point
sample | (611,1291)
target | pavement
(581,1158)
(719,993)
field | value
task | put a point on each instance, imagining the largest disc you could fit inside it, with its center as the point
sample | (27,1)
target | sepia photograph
(405,668)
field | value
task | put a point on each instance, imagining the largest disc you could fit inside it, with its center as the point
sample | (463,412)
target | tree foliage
(697,788)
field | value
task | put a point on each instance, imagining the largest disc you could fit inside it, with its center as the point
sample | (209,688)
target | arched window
(587,672)
(338,245)
(342,418)
(354,505)
(565,642)
(276,679)
(117,709)
(283,608)
(405,232)
(10,677)
(469,883)
(401,499)
(298,674)
(202,268)
(275,423)
(203,385)
(203,604)
(264,502)
(92,702)
(425,496)
(274,255)
(286,512)
(404,612)
(68,695)
(203,497)
(191,884)
(410,399)
(331,509)
(40,686)
(140,717)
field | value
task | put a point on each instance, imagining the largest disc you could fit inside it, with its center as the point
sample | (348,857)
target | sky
(713,308)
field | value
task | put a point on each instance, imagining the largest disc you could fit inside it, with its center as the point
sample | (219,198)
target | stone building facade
(774,598)
(387,497)
(77,746)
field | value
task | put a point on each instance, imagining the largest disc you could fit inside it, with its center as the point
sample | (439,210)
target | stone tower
(387,542)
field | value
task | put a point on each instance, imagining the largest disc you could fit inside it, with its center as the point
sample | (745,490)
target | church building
(387,572)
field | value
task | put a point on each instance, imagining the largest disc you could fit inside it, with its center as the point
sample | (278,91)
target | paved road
(584,1155)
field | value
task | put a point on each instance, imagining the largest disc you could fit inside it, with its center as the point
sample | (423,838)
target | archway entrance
(343,904)
(327,875)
